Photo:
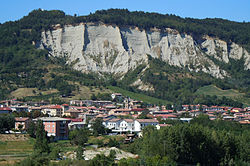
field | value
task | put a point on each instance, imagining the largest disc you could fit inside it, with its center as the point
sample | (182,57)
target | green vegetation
(178,85)
(6,123)
(230,93)
(16,148)
(22,65)
(223,29)
(138,96)
(213,90)
(202,142)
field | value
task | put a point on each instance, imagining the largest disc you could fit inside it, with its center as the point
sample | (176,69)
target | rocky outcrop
(113,49)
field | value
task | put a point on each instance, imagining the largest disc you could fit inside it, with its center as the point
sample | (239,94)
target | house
(159,126)
(56,127)
(126,125)
(20,108)
(102,103)
(117,111)
(87,116)
(5,110)
(113,124)
(54,110)
(166,116)
(72,113)
(237,110)
(186,119)
(22,121)
(34,108)
(116,95)
(140,124)
(65,107)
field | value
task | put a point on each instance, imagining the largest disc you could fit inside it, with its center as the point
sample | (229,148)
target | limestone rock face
(112,49)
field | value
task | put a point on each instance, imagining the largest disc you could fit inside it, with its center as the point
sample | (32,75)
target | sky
(234,10)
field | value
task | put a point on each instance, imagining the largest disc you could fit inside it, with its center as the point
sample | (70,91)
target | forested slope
(23,65)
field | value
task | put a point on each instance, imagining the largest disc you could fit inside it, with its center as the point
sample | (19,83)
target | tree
(6,123)
(41,143)
(102,160)
(93,97)
(79,153)
(79,136)
(98,127)
(31,130)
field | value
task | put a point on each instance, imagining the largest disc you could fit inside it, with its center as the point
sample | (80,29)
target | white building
(129,125)
(113,124)
(140,124)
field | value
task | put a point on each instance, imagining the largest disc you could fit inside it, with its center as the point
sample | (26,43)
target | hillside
(164,56)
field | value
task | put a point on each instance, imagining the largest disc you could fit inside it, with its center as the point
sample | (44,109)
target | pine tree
(41,144)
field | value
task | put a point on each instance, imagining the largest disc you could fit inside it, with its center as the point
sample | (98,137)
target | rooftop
(147,120)
(50,119)
(21,119)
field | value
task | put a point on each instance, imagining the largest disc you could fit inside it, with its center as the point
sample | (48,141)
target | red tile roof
(164,125)
(244,122)
(129,120)
(138,109)
(21,119)
(114,119)
(55,107)
(74,120)
(73,111)
(5,109)
(147,120)
(166,115)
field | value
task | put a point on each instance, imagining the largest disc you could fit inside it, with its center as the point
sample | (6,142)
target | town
(122,115)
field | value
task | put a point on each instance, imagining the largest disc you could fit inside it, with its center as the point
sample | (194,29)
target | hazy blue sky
(236,10)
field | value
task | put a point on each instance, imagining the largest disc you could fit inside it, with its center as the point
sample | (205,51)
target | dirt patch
(14,137)
(90,154)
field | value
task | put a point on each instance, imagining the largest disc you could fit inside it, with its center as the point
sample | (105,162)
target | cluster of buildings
(119,117)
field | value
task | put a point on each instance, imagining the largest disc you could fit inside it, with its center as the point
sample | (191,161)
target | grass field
(24,92)
(14,151)
(233,94)
(85,93)
(137,96)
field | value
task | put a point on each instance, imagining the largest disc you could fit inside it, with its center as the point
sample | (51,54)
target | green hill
(138,96)
(22,65)
(230,93)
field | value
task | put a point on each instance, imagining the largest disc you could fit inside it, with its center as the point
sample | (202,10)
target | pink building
(22,121)
(55,126)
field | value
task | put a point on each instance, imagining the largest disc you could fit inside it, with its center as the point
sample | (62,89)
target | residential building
(56,127)
(72,113)
(126,125)
(113,123)
(140,124)
(22,121)
(5,110)
(54,110)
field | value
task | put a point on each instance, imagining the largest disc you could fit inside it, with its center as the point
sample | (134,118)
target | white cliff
(113,49)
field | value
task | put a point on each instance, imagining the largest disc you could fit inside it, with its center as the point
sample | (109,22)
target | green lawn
(231,93)
(138,96)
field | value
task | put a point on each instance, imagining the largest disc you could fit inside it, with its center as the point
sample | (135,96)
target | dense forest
(202,142)
(23,65)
